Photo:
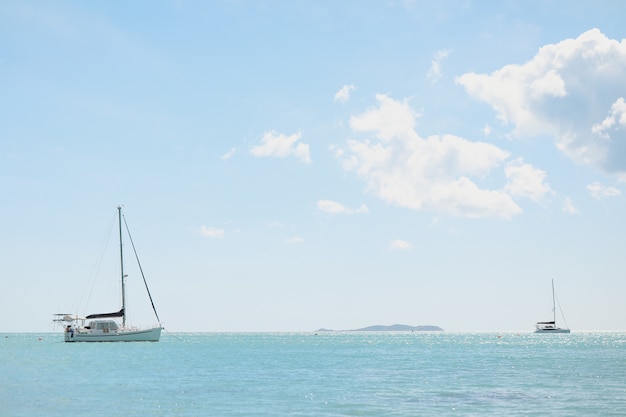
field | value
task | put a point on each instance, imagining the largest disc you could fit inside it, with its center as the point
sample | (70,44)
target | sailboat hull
(121,335)
(552,331)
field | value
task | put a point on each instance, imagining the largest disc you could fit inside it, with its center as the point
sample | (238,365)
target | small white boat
(102,327)
(550,326)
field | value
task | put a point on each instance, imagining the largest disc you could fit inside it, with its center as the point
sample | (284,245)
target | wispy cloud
(333,207)
(568,207)
(229,154)
(614,122)
(294,240)
(399,244)
(278,145)
(600,191)
(343,94)
(434,72)
(211,232)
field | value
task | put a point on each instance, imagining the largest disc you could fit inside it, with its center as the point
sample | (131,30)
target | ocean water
(304,374)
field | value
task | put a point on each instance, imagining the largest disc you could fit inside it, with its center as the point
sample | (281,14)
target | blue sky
(292,165)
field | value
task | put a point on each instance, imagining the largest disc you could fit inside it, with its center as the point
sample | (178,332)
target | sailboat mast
(119,216)
(553,305)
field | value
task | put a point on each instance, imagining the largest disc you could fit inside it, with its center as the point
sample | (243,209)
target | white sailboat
(103,327)
(550,326)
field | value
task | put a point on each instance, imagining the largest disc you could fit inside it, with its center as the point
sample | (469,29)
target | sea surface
(308,374)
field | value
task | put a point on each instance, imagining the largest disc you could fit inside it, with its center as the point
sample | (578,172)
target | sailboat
(550,326)
(103,327)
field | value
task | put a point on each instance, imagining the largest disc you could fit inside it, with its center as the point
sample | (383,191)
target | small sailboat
(102,327)
(550,326)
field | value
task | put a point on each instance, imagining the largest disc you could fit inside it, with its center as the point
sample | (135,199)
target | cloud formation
(434,72)
(229,154)
(211,232)
(278,145)
(343,94)
(569,207)
(572,91)
(399,244)
(437,173)
(601,191)
(525,180)
(332,207)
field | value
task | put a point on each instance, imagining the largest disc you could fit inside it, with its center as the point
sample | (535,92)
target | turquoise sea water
(328,374)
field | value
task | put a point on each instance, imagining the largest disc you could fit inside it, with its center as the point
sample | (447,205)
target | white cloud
(281,146)
(525,180)
(399,244)
(211,232)
(343,95)
(434,72)
(565,91)
(600,191)
(568,207)
(486,130)
(433,173)
(294,240)
(391,119)
(332,207)
(274,224)
(616,120)
(229,154)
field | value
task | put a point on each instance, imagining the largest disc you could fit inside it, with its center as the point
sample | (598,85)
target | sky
(295,165)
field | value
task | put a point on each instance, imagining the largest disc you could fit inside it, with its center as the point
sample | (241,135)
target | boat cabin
(105,326)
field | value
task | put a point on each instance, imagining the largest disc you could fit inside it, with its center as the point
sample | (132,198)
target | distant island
(392,328)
